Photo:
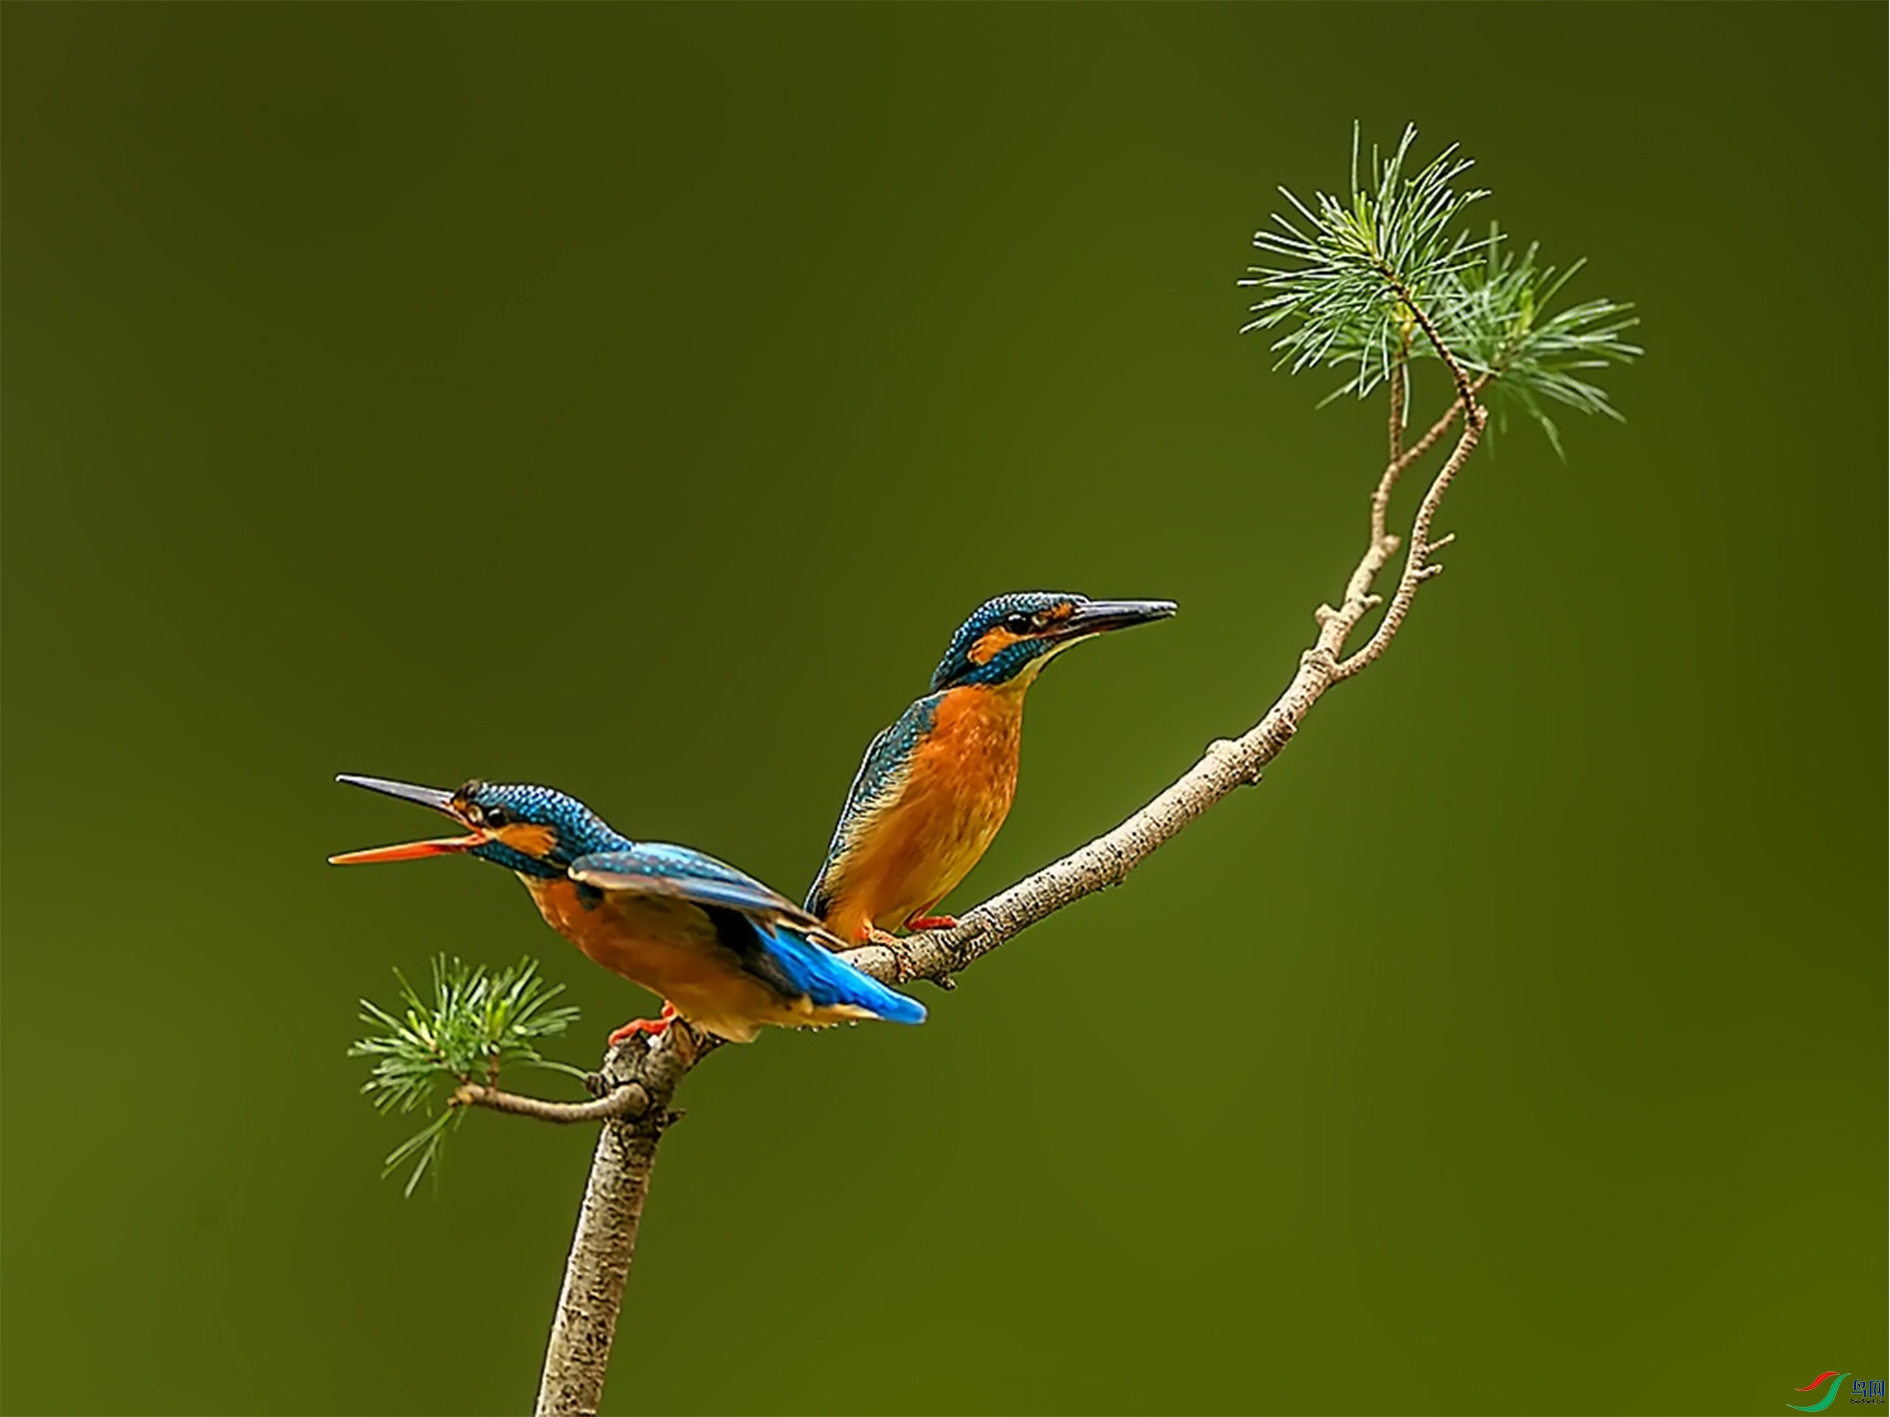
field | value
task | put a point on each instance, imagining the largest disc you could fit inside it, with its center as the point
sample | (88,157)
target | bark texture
(585,1327)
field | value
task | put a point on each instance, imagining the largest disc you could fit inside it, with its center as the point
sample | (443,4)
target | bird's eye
(1018,623)
(495,816)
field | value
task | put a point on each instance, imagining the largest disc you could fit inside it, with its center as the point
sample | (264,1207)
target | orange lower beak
(412,850)
(436,798)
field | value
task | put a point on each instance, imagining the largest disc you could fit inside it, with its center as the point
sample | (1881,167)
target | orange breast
(955,798)
(636,946)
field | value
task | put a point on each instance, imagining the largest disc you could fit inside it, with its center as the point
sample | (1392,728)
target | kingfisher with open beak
(725,953)
(935,787)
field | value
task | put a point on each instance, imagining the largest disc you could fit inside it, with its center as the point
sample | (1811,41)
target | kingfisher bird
(935,787)
(726,953)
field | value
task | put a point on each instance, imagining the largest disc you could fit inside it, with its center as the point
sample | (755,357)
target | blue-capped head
(1007,640)
(538,831)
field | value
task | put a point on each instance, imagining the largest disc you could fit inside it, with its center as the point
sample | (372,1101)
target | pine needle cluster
(1389,273)
(472,1025)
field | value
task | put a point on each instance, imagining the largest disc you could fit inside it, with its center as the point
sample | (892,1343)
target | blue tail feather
(827,979)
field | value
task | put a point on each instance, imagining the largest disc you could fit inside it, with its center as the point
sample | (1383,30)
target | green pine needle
(1356,266)
(1354,273)
(1495,324)
(474,1024)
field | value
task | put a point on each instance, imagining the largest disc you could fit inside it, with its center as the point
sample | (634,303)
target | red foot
(651,1026)
(932,922)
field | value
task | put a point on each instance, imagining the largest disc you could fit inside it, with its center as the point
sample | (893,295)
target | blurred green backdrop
(635,398)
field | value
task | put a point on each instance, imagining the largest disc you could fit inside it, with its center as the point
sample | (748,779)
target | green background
(634,399)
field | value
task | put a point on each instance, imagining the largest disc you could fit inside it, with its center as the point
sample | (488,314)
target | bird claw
(932,922)
(654,1027)
(871,934)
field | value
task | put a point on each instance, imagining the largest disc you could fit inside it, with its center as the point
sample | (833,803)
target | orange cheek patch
(990,642)
(527,837)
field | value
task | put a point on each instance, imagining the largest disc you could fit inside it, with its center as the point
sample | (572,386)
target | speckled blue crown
(957,667)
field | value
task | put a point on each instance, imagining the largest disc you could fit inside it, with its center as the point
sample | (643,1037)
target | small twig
(1400,391)
(1465,394)
(625,1100)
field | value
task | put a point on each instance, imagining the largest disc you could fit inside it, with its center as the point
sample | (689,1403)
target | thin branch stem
(1465,394)
(1401,462)
(1400,392)
(627,1100)
(1418,568)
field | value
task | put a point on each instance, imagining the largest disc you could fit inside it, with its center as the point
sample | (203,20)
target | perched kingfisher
(935,787)
(726,953)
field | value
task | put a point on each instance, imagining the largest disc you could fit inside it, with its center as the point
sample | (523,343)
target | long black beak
(433,797)
(1095,617)
(441,802)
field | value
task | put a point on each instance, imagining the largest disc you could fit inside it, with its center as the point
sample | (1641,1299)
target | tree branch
(649,1072)
(578,1354)
(1332,294)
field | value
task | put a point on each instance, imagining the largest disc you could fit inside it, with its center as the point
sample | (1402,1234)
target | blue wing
(771,937)
(654,868)
(881,777)
(827,979)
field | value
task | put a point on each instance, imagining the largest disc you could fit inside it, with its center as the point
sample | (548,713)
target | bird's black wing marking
(742,937)
(768,935)
(881,775)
